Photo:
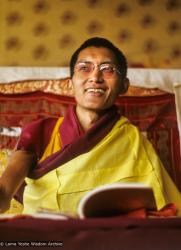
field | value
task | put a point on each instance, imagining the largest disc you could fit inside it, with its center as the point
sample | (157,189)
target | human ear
(70,86)
(70,83)
(125,85)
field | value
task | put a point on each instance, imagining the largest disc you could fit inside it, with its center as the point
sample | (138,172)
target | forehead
(97,55)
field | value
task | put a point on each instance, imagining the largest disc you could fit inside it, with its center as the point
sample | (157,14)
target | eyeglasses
(108,70)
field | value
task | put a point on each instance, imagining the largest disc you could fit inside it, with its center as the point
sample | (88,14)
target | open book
(116,199)
(106,201)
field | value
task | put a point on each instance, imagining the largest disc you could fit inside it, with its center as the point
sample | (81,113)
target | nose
(96,75)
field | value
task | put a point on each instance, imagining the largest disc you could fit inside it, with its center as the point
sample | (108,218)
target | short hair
(99,42)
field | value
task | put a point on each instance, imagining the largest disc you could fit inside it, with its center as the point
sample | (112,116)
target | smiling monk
(62,159)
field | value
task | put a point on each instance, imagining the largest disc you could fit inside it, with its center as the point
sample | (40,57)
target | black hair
(101,42)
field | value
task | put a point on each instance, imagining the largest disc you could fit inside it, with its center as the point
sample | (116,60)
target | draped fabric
(71,139)
(120,154)
(154,115)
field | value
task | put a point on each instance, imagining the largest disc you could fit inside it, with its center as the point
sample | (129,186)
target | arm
(17,169)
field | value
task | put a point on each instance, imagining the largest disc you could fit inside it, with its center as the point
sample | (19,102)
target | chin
(98,108)
(95,106)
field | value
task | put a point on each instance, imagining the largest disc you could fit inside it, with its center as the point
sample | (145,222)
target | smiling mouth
(95,90)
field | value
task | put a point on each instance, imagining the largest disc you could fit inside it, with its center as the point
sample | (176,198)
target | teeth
(95,90)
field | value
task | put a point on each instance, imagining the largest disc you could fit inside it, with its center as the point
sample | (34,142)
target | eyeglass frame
(99,65)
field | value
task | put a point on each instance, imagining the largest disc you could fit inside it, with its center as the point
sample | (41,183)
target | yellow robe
(123,155)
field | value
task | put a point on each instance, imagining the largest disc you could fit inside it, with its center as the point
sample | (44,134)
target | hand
(169,210)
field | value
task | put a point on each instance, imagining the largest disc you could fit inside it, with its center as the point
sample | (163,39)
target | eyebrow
(84,61)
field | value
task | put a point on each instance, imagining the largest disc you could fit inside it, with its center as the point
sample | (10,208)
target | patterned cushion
(62,87)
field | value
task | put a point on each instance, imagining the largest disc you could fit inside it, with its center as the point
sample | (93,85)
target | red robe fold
(74,140)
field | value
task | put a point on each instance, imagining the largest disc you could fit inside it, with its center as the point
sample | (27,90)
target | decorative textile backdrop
(46,32)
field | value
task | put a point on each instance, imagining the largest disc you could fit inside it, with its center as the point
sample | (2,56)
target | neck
(87,118)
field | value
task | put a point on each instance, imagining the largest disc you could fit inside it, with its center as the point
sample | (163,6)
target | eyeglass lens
(108,70)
